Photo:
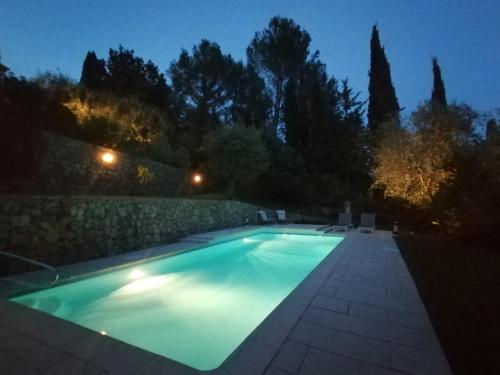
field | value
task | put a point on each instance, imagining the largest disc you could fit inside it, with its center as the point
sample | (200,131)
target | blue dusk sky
(41,35)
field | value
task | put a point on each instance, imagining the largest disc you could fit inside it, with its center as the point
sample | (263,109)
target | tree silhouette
(383,104)
(250,102)
(278,53)
(93,72)
(438,91)
(130,75)
(291,115)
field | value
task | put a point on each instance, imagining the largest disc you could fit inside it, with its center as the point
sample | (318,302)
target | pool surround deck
(358,312)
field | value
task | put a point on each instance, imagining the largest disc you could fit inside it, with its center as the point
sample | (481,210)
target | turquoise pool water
(195,307)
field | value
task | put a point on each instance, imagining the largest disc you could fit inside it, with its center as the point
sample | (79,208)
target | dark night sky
(36,36)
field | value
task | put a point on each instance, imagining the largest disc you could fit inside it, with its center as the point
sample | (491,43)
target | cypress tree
(383,104)
(438,91)
(93,72)
(291,115)
(492,129)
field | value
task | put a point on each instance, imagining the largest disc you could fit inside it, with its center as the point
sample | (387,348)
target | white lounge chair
(367,223)
(281,215)
(263,217)
(344,222)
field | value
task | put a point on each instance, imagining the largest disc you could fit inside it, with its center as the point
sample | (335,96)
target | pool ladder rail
(34,262)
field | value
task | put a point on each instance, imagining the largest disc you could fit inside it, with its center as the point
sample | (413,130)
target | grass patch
(460,286)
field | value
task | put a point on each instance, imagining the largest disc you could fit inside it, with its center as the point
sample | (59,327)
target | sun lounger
(263,218)
(344,223)
(281,215)
(367,223)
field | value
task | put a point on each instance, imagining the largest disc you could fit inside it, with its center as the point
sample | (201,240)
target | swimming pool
(195,307)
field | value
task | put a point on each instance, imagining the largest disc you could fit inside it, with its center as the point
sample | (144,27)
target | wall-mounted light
(108,158)
(197,179)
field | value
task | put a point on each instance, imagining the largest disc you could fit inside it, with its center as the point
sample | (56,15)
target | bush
(236,157)
(100,130)
(286,180)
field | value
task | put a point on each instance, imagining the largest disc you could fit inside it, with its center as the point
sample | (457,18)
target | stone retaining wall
(66,229)
(69,166)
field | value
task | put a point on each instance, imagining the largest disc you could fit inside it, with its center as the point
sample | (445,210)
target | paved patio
(358,312)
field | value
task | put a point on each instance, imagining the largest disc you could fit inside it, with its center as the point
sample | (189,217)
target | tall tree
(200,85)
(93,72)
(492,130)
(438,92)
(291,115)
(278,53)
(250,103)
(383,104)
(130,75)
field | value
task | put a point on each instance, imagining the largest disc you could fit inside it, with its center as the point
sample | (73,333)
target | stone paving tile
(354,295)
(12,317)
(315,335)
(401,335)
(5,362)
(389,303)
(36,321)
(125,359)
(416,307)
(7,308)
(16,346)
(370,328)
(61,334)
(418,361)
(335,320)
(371,290)
(332,304)
(271,333)
(364,349)
(319,362)
(16,367)
(369,369)
(410,289)
(42,357)
(360,310)
(217,371)
(72,366)
(308,288)
(328,289)
(275,371)
(415,338)
(410,320)
(249,359)
(290,311)
(290,356)
(6,332)
(91,347)
(405,294)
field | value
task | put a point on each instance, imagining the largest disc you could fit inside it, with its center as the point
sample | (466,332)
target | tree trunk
(277,104)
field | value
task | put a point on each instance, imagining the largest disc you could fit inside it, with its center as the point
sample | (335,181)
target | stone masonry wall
(66,229)
(69,166)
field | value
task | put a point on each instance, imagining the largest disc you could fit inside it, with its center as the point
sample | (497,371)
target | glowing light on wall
(108,158)
(197,179)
